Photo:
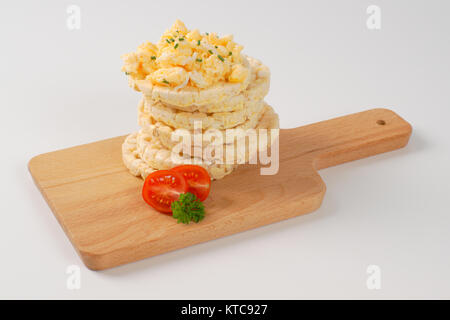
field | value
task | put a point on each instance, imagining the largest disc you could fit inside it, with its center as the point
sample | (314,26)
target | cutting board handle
(352,137)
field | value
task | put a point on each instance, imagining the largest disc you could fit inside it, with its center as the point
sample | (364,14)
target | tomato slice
(163,187)
(197,178)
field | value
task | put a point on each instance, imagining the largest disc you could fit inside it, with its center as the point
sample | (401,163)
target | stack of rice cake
(165,112)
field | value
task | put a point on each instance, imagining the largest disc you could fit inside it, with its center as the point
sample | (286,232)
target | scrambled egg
(185,57)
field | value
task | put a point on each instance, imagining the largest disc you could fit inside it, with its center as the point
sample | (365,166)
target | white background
(61,88)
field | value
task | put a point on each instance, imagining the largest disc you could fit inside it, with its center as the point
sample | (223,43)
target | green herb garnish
(176,46)
(199,60)
(127,73)
(153,57)
(220,57)
(198,42)
(230,53)
(216,47)
(207,33)
(210,51)
(188,208)
(181,39)
(165,81)
(168,41)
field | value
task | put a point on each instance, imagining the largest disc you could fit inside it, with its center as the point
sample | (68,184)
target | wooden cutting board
(98,202)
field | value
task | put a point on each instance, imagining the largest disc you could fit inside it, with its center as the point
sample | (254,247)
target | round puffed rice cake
(187,120)
(152,156)
(223,96)
(205,147)
(168,134)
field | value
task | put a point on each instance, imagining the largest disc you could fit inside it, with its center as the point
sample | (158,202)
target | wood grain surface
(98,202)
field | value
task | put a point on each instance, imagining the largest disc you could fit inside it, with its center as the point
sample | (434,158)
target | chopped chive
(153,57)
(207,33)
(199,60)
(181,39)
(172,39)
(210,51)
(127,73)
(220,57)
(168,41)
(176,46)
(230,53)
(198,42)
(165,81)
(216,47)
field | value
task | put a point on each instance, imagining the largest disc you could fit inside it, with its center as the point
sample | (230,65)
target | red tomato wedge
(163,187)
(197,178)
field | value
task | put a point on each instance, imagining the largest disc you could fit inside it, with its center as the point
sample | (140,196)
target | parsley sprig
(188,208)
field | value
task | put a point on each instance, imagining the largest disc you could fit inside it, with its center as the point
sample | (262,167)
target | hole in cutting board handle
(381,122)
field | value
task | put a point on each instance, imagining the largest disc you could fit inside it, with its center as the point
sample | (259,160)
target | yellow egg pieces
(185,57)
